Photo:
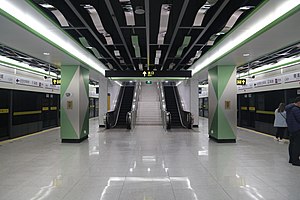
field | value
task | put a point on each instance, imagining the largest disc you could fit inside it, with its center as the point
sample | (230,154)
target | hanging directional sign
(148,82)
(148,74)
(241,81)
(56,81)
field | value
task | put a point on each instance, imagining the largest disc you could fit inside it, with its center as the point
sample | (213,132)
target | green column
(74,111)
(222,103)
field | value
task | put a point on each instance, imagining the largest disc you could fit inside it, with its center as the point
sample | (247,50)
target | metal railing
(165,115)
(131,115)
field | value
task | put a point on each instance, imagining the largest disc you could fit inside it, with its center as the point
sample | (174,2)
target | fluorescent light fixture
(46,54)
(280,8)
(8,62)
(156,61)
(246,54)
(163,24)
(97,22)
(20,10)
(59,16)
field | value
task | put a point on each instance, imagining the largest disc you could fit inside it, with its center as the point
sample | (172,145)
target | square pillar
(103,90)
(74,112)
(222,96)
(194,103)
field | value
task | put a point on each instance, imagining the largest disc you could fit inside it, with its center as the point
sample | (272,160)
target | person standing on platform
(293,122)
(280,121)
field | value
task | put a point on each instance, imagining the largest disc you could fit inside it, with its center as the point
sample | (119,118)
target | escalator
(179,117)
(125,106)
(172,106)
(117,117)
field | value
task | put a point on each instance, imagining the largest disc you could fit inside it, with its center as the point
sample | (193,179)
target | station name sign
(241,81)
(56,81)
(148,74)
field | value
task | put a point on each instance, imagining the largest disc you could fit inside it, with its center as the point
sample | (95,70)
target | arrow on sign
(144,73)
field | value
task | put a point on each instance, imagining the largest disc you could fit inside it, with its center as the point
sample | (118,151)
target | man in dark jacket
(293,122)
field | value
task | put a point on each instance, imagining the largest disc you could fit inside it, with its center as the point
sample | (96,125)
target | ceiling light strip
(23,14)
(278,11)
(59,16)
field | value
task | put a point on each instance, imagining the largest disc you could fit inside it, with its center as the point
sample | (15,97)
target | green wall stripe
(225,72)
(67,131)
(67,74)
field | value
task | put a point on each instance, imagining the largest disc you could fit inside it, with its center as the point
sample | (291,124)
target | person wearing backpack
(293,122)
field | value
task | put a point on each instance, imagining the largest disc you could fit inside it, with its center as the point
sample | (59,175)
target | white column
(194,100)
(102,99)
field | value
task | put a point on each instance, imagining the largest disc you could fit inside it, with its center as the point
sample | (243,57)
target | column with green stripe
(74,104)
(222,103)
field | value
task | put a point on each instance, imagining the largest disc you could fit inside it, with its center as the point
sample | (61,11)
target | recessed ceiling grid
(271,58)
(144,34)
(27,59)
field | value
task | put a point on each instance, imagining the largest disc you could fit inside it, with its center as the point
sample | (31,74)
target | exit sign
(241,81)
(56,81)
(148,82)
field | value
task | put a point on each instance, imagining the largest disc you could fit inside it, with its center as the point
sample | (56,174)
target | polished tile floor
(147,164)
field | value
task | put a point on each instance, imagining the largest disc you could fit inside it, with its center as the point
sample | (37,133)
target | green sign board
(148,82)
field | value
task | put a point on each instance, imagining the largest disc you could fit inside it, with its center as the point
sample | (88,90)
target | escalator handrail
(165,115)
(131,115)
(119,108)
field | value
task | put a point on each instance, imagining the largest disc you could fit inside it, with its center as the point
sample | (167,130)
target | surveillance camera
(253,77)
(45,77)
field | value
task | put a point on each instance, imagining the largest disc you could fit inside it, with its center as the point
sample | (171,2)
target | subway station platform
(147,164)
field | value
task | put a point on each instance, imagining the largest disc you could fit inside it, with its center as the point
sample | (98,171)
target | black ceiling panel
(113,18)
